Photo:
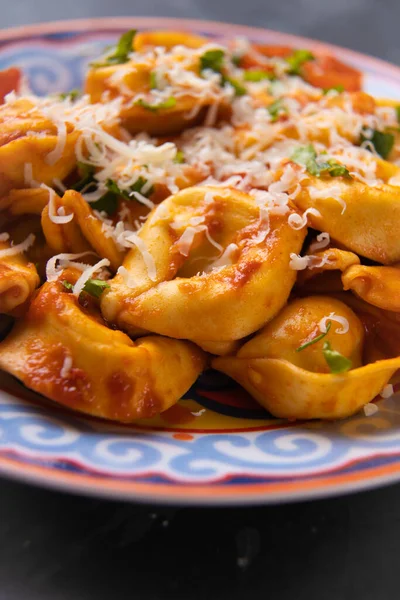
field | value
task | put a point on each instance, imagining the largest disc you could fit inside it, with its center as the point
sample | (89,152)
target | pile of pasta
(201,204)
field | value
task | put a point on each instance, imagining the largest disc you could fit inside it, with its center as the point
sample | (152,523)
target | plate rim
(198,494)
(189,493)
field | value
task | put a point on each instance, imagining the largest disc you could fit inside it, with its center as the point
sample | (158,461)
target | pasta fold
(204,268)
(57,348)
(291,377)
(18,279)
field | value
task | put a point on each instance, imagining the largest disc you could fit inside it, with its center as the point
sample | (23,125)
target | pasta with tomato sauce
(201,204)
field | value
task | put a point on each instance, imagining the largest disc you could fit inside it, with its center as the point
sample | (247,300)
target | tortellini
(201,202)
(212,270)
(58,347)
(18,279)
(158,62)
(28,139)
(293,380)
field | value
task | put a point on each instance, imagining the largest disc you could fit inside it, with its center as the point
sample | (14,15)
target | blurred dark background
(60,547)
(370,26)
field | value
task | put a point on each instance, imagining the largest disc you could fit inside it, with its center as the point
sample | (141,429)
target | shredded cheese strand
(87,274)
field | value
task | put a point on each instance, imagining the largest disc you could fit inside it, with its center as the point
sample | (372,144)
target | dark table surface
(60,547)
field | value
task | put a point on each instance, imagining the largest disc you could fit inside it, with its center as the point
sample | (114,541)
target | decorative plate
(216,446)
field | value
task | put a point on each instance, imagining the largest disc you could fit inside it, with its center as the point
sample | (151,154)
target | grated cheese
(66,367)
(310,261)
(55,216)
(65,259)
(55,155)
(297,262)
(199,412)
(370,409)
(185,242)
(126,276)
(87,274)
(387,391)
(225,260)
(28,176)
(332,317)
(18,248)
(323,240)
(333,192)
(297,221)
(134,240)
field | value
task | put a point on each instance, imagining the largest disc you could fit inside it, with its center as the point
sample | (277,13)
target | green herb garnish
(236,59)
(153,80)
(239,89)
(119,53)
(107,203)
(337,363)
(169,103)
(127,194)
(72,95)
(256,76)
(94,287)
(87,177)
(179,157)
(276,109)
(337,88)
(306,156)
(337,169)
(297,60)
(381,141)
(397,109)
(316,339)
(213,60)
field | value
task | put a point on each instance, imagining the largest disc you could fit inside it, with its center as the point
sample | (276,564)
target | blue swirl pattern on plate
(56,63)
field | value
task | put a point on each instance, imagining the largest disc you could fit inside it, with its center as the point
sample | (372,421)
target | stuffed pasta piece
(310,362)
(18,276)
(167,81)
(65,351)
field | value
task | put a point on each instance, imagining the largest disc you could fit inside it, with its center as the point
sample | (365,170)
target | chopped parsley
(381,141)
(397,109)
(94,287)
(306,156)
(297,60)
(276,109)
(239,89)
(337,363)
(109,201)
(337,88)
(71,95)
(153,80)
(127,194)
(316,339)
(169,103)
(179,157)
(119,53)
(213,60)
(236,59)
(336,169)
(256,76)
(87,177)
